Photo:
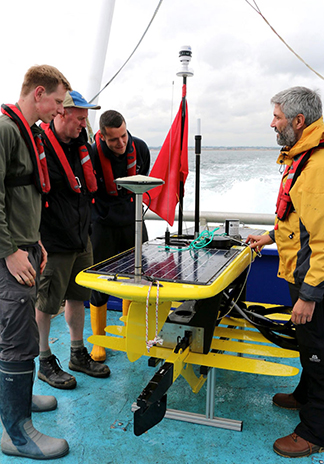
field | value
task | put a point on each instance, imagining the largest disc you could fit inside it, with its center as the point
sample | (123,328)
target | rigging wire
(130,56)
(257,9)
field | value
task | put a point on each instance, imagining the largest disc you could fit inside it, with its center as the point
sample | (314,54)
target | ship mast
(97,59)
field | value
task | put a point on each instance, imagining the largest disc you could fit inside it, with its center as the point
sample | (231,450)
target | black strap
(28,179)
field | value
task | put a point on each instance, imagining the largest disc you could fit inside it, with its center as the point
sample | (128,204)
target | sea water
(242,180)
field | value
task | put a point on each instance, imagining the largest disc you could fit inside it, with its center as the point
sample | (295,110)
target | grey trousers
(19,339)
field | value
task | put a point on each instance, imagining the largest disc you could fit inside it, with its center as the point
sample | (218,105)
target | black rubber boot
(19,437)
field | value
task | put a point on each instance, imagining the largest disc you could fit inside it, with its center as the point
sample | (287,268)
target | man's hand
(302,311)
(258,241)
(21,268)
(44,257)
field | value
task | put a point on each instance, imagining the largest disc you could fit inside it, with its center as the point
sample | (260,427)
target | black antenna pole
(197,186)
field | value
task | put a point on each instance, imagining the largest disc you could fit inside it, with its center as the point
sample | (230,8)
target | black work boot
(19,437)
(50,371)
(81,361)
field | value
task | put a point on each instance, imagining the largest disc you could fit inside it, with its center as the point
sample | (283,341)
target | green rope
(203,239)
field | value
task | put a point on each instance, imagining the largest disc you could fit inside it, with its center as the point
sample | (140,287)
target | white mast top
(185,55)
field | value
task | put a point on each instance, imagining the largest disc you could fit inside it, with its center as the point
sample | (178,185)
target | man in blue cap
(65,228)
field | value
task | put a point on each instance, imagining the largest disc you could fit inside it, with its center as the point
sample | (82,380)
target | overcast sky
(238,62)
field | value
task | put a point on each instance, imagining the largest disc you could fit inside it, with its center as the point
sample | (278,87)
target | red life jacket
(284,204)
(85,159)
(35,148)
(108,175)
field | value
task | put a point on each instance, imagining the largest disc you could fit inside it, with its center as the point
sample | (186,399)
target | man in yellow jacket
(299,235)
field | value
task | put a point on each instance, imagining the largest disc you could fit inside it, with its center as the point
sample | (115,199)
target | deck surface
(97,421)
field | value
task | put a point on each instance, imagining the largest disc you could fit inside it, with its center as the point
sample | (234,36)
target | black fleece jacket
(66,215)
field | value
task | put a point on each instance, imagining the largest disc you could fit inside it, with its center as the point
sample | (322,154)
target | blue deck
(97,421)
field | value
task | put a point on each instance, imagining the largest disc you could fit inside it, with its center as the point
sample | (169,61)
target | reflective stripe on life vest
(88,172)
(42,160)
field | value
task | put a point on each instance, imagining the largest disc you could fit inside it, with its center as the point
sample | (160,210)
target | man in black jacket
(65,225)
(116,154)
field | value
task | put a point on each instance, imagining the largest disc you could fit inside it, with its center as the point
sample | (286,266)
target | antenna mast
(185,55)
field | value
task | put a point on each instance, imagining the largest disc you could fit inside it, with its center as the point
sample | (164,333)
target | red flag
(171,165)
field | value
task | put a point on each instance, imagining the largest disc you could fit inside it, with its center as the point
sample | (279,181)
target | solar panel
(189,266)
(178,264)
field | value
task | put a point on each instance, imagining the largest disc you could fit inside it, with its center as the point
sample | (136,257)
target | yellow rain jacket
(300,237)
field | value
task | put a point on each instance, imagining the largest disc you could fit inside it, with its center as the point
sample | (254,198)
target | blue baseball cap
(74,99)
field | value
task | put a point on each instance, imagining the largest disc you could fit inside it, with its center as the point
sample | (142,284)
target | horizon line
(225,147)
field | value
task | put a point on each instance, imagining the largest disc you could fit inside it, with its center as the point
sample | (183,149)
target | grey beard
(287,137)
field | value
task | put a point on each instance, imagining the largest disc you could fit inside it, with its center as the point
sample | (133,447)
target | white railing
(211,216)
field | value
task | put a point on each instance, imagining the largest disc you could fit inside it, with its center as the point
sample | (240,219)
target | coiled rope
(203,239)
(156,340)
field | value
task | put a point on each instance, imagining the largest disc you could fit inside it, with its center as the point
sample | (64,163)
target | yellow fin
(113,343)
(136,326)
(116,330)
(253,349)
(241,364)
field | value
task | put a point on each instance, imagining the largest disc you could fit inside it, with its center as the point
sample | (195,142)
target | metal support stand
(204,419)
(138,184)
(138,237)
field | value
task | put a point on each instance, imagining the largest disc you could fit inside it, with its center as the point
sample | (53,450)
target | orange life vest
(284,204)
(107,171)
(85,160)
(35,148)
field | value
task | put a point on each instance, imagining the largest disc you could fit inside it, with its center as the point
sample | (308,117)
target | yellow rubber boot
(98,323)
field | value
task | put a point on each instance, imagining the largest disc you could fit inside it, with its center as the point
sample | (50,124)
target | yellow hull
(168,291)
(229,347)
